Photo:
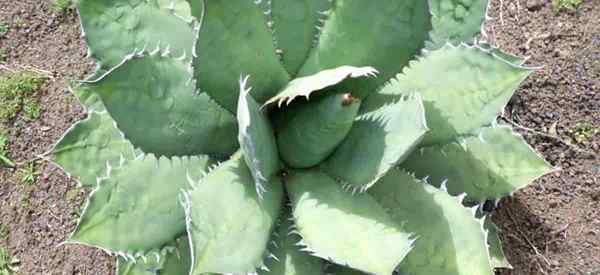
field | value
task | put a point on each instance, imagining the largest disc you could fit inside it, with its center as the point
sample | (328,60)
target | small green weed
(73,194)
(8,264)
(16,90)
(4,232)
(19,21)
(584,131)
(3,29)
(2,56)
(4,152)
(61,6)
(32,109)
(559,5)
(29,174)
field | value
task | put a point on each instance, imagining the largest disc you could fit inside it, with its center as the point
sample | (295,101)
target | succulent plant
(295,137)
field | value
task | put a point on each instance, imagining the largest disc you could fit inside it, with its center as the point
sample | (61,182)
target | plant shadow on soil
(551,227)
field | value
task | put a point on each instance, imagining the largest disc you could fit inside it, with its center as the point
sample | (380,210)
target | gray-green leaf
(450,240)
(89,146)
(305,86)
(116,28)
(296,28)
(377,142)
(455,21)
(347,229)
(492,164)
(463,89)
(136,208)
(256,139)
(155,104)
(382,34)
(286,257)
(174,259)
(229,226)
(234,39)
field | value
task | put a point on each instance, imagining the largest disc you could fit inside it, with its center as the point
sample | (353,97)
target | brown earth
(551,227)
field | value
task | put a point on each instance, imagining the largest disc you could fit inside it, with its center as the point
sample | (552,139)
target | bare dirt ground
(551,227)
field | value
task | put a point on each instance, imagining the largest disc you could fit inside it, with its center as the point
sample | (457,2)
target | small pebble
(534,5)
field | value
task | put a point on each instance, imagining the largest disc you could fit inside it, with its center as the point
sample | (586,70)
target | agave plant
(295,137)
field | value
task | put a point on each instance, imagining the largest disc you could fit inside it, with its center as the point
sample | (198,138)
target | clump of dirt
(36,219)
(553,226)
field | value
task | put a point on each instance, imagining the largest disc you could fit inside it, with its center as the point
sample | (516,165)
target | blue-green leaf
(136,208)
(228,224)
(352,230)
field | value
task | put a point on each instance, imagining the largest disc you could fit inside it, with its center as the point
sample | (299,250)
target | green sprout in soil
(8,264)
(61,6)
(3,29)
(16,94)
(4,232)
(4,152)
(559,5)
(584,132)
(19,21)
(29,174)
(32,109)
(2,56)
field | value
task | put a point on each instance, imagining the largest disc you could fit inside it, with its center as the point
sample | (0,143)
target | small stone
(534,5)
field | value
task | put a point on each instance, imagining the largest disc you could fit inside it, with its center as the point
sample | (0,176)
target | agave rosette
(294,137)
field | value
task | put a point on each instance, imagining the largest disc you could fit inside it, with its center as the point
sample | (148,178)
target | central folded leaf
(313,130)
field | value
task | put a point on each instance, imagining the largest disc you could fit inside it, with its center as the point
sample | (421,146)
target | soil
(38,219)
(550,227)
(553,226)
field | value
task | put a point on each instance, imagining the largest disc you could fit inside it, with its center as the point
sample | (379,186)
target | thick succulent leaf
(334,269)
(455,21)
(90,100)
(497,256)
(136,208)
(352,230)
(296,29)
(463,89)
(171,260)
(311,132)
(116,28)
(377,142)
(492,164)
(304,86)
(234,39)
(382,34)
(517,60)
(256,140)
(286,257)
(89,146)
(450,240)
(229,226)
(156,106)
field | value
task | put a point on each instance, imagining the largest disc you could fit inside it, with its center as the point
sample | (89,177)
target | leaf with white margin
(305,86)
(378,141)
(154,101)
(451,241)
(172,260)
(286,256)
(498,258)
(116,28)
(492,164)
(228,224)
(135,208)
(347,229)
(89,146)
(463,88)
(256,139)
